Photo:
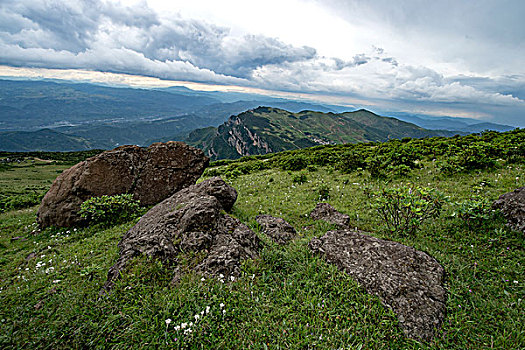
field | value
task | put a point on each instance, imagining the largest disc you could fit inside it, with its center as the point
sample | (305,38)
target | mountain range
(266,130)
(66,116)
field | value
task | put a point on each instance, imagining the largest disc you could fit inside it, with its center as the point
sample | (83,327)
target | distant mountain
(255,100)
(42,140)
(32,105)
(265,130)
(453,124)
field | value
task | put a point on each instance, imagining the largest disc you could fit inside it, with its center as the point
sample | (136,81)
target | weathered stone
(151,175)
(277,229)
(325,212)
(512,205)
(191,220)
(408,281)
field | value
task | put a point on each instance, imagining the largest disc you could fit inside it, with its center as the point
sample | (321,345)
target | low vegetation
(289,298)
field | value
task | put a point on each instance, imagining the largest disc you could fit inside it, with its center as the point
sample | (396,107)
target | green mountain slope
(265,130)
(42,140)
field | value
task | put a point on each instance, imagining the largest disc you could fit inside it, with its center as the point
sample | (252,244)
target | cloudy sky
(439,57)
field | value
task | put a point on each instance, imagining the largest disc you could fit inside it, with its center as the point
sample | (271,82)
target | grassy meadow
(287,299)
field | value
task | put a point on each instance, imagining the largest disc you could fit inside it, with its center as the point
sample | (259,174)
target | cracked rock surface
(512,205)
(325,212)
(191,220)
(151,175)
(408,281)
(277,229)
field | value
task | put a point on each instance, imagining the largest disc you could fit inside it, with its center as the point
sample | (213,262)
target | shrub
(293,162)
(475,212)
(349,161)
(403,209)
(19,201)
(473,157)
(300,178)
(110,209)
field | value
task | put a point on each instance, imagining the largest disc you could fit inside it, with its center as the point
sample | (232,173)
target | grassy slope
(288,299)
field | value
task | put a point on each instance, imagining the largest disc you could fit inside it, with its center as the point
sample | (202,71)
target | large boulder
(408,281)
(512,205)
(325,212)
(277,229)
(190,221)
(151,175)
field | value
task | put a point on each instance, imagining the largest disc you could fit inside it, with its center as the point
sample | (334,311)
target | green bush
(110,209)
(474,212)
(349,161)
(294,162)
(19,201)
(403,209)
(300,178)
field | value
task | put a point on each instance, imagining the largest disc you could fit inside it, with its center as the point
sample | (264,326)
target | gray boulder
(191,220)
(512,205)
(151,175)
(325,212)
(408,281)
(277,229)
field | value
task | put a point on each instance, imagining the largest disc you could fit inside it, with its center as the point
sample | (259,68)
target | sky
(440,57)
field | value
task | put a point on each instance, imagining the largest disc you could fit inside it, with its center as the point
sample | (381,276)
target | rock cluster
(191,220)
(408,281)
(150,174)
(277,229)
(512,205)
(325,212)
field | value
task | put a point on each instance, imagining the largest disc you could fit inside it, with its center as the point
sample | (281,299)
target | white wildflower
(168,321)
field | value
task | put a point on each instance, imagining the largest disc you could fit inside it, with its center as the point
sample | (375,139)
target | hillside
(288,298)
(109,116)
(266,130)
(41,104)
(44,140)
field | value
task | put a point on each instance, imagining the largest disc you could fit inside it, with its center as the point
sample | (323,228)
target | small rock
(325,212)
(408,281)
(30,256)
(277,229)
(39,305)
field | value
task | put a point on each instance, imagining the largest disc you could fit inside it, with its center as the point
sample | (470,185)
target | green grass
(287,299)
